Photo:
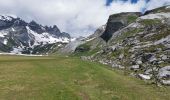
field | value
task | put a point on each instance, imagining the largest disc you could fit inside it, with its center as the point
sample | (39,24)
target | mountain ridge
(18,36)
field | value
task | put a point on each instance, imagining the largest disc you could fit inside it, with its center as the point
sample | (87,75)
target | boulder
(164,72)
(146,57)
(165,82)
(149,71)
(164,57)
(118,66)
(132,56)
(144,77)
(121,56)
(139,62)
(134,67)
(113,48)
(152,59)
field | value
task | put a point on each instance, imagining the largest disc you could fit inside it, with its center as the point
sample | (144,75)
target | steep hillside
(18,36)
(141,47)
(102,35)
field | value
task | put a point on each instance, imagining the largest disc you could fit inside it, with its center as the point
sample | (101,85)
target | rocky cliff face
(18,36)
(117,22)
(140,47)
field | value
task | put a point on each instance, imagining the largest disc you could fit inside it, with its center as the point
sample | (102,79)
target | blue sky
(77,17)
(108,2)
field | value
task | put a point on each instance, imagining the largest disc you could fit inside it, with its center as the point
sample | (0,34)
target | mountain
(138,44)
(18,36)
(78,44)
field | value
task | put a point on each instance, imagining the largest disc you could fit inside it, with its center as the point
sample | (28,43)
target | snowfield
(22,54)
(45,38)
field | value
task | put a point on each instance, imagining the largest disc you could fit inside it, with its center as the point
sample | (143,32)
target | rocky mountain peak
(19,22)
(36,27)
(7,17)
(18,36)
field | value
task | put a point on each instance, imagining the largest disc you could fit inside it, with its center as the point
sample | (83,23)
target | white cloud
(157,3)
(78,17)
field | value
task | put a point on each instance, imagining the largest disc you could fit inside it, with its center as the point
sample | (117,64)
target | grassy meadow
(69,78)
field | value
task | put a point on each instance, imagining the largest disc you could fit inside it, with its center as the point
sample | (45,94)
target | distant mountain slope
(18,36)
(81,43)
(141,47)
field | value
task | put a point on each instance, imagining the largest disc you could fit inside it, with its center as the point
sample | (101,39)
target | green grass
(86,53)
(86,50)
(153,48)
(150,21)
(128,34)
(159,36)
(64,78)
(131,19)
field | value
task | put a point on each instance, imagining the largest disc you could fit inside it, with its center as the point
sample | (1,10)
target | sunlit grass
(64,78)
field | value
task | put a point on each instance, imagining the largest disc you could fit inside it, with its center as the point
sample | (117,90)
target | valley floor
(64,78)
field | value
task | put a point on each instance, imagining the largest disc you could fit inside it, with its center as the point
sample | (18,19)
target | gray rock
(159,62)
(149,71)
(132,74)
(139,62)
(132,56)
(144,77)
(152,59)
(113,47)
(135,67)
(164,72)
(103,62)
(164,57)
(117,66)
(121,56)
(165,82)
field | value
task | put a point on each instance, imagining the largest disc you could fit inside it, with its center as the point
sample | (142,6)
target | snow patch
(72,39)
(17,50)
(21,54)
(46,38)
(13,29)
(90,39)
(2,34)
(5,41)
(168,7)
(7,17)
